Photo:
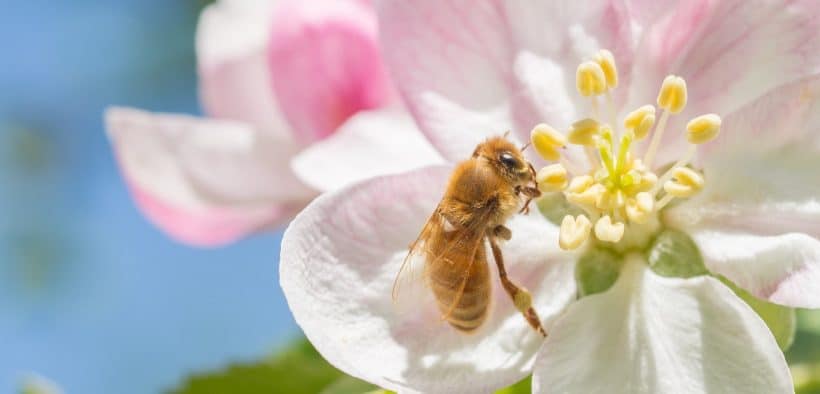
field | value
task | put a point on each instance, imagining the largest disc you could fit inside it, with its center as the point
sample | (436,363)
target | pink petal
(369,144)
(201,224)
(649,334)
(204,182)
(340,257)
(730,53)
(326,64)
(234,77)
(470,72)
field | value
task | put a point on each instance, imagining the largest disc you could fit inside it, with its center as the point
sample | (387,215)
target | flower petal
(204,182)
(371,143)
(340,257)
(784,269)
(234,77)
(455,64)
(758,220)
(729,52)
(650,334)
(326,64)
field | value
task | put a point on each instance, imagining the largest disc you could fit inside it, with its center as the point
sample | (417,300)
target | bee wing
(409,271)
(469,238)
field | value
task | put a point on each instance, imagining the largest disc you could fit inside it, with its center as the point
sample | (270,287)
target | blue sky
(91,295)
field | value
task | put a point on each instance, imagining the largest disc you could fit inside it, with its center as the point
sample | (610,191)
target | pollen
(621,189)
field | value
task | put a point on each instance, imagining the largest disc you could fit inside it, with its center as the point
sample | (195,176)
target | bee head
(506,158)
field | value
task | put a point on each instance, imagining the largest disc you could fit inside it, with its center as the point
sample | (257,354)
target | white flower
(751,207)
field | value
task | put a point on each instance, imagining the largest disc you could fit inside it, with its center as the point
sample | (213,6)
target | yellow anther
(547,141)
(640,121)
(552,178)
(672,96)
(607,231)
(606,61)
(580,183)
(703,129)
(589,197)
(590,79)
(686,183)
(584,131)
(648,181)
(640,208)
(574,231)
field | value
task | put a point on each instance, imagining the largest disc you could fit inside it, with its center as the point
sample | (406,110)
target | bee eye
(508,160)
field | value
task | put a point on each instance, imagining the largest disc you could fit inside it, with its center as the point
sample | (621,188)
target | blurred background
(92,296)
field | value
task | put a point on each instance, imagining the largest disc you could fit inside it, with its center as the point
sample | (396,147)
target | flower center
(621,192)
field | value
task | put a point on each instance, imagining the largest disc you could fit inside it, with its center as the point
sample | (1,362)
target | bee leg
(502,232)
(520,296)
(531,193)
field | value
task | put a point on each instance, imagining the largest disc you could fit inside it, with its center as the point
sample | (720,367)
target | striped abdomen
(462,290)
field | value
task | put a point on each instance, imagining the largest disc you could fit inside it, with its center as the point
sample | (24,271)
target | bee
(482,193)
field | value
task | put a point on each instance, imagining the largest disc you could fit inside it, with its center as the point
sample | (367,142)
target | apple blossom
(289,86)
(692,134)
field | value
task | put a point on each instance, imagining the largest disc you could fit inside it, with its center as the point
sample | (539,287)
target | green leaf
(674,254)
(298,369)
(781,320)
(522,387)
(349,384)
(597,270)
(806,378)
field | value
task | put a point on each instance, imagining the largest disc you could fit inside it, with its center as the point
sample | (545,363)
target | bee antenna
(507,133)
(527,145)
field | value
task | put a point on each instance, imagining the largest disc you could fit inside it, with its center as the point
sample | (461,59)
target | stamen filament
(656,140)
(663,201)
(669,173)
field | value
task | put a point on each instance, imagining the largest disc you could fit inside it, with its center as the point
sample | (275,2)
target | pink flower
(299,102)
(468,71)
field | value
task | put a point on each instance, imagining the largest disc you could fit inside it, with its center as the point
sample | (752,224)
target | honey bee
(482,193)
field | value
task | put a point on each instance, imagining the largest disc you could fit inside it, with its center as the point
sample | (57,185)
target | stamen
(703,129)
(606,61)
(574,231)
(590,79)
(639,209)
(640,121)
(551,178)
(686,183)
(607,231)
(583,132)
(672,96)
(656,140)
(547,141)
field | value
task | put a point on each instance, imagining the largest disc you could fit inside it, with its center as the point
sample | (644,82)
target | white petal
(784,269)
(454,64)
(371,143)
(230,29)
(650,334)
(204,181)
(341,255)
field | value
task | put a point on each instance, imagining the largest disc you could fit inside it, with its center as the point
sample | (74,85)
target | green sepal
(781,320)
(597,270)
(554,206)
(674,254)
(522,387)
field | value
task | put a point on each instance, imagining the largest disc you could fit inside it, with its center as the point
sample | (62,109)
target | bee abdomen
(465,310)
